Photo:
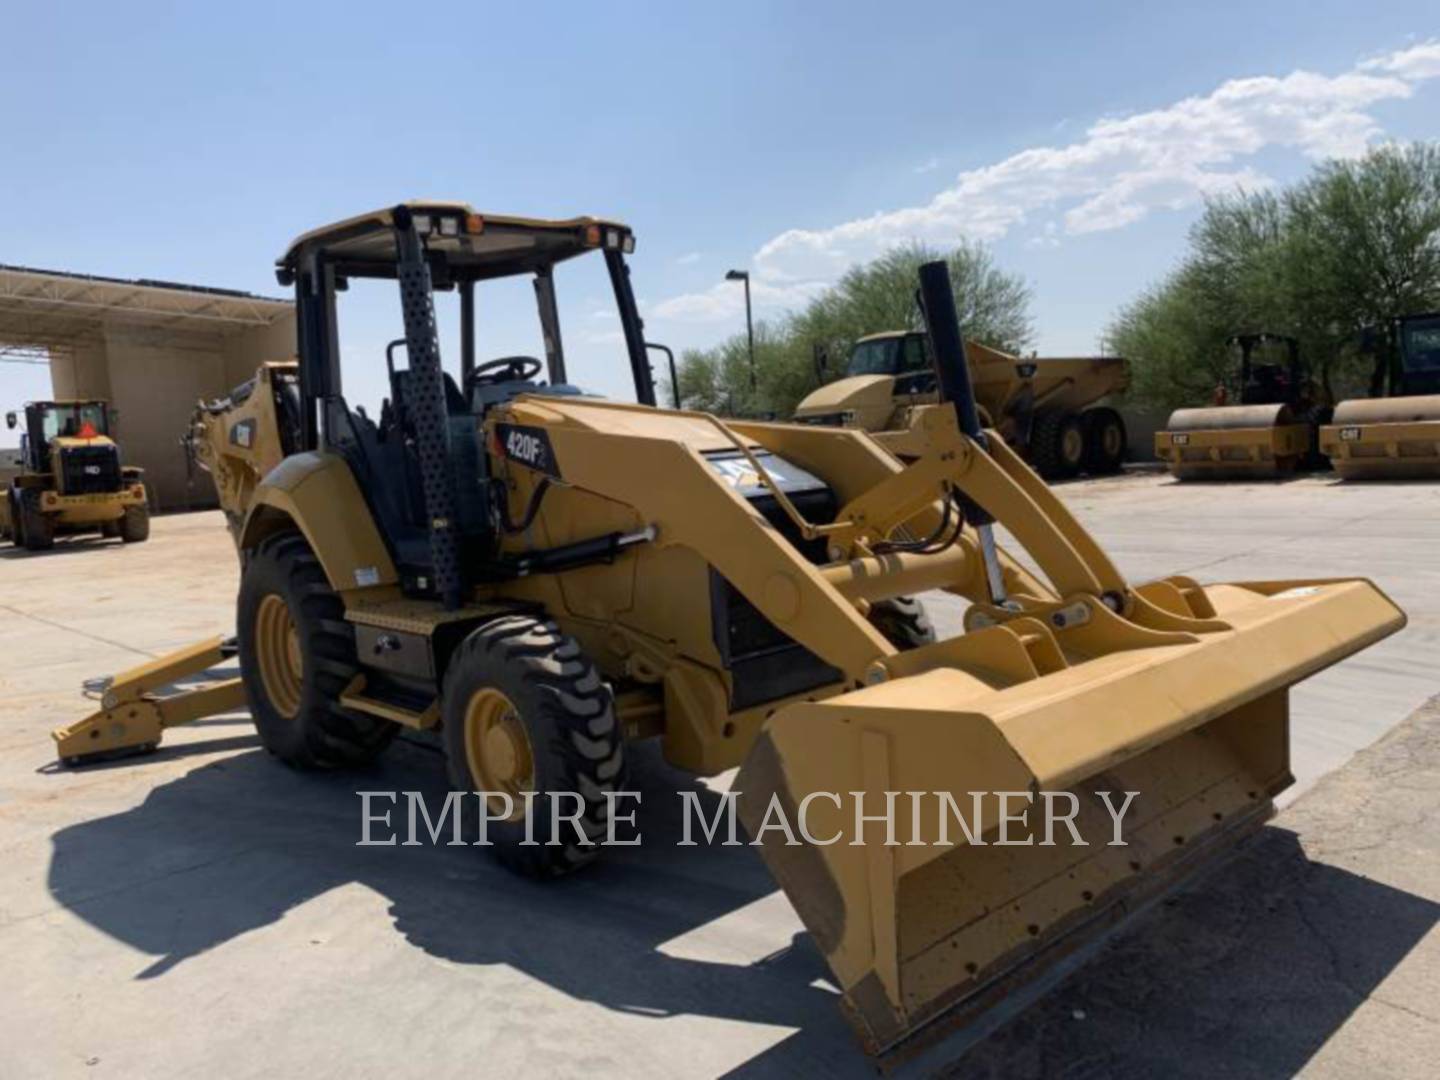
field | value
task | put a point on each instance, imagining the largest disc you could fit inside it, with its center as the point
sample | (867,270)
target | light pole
(744,275)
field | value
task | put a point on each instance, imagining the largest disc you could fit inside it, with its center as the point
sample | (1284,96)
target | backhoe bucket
(1232,442)
(1387,437)
(945,923)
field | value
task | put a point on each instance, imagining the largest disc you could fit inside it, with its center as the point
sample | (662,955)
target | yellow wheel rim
(498,751)
(277,650)
(1073,445)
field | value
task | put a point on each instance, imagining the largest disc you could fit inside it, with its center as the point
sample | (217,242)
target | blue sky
(180,142)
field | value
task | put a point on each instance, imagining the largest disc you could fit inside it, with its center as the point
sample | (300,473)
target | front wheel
(1057,445)
(525,711)
(1104,441)
(37,529)
(135,525)
(297,655)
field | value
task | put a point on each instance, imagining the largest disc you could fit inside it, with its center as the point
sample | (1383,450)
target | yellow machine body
(76,484)
(1011,392)
(1077,682)
(1232,442)
(1388,437)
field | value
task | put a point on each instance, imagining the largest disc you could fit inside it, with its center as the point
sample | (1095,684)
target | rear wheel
(37,530)
(1057,445)
(525,711)
(1104,441)
(297,655)
(135,525)
(903,621)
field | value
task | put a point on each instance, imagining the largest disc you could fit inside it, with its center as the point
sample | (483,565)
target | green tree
(1350,246)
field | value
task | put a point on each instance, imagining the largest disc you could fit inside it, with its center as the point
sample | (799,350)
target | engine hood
(869,397)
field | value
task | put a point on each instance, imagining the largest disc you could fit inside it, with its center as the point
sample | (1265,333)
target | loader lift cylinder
(432,435)
(947,348)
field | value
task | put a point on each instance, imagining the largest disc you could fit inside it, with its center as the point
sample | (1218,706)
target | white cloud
(688,259)
(1121,170)
(927,166)
(725,300)
(1417,62)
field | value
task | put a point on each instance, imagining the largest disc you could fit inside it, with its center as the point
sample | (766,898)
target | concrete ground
(205,909)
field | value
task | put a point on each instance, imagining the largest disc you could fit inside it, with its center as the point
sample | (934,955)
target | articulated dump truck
(1046,408)
(541,577)
(1396,435)
(1271,431)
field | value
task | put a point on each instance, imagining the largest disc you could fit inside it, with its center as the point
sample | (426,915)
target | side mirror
(822,361)
(10,420)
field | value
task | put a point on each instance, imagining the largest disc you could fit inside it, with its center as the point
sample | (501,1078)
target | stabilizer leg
(132,717)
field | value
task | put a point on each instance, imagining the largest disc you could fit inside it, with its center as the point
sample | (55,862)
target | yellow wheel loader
(1272,431)
(1043,407)
(542,576)
(71,479)
(1397,435)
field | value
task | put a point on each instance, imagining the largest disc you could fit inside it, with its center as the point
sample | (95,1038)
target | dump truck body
(1399,435)
(1043,406)
(601,572)
(71,478)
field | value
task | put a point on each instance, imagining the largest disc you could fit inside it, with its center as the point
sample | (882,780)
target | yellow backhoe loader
(70,479)
(1044,407)
(542,576)
(1272,431)
(1398,434)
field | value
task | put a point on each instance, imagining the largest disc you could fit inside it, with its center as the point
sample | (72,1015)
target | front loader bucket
(1232,442)
(1388,437)
(939,925)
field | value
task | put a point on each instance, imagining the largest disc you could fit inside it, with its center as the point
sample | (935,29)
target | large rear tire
(524,710)
(37,530)
(135,525)
(1105,441)
(297,655)
(903,621)
(1057,445)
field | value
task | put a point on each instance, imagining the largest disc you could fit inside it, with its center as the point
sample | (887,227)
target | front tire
(135,525)
(1105,441)
(1057,445)
(36,528)
(525,710)
(297,655)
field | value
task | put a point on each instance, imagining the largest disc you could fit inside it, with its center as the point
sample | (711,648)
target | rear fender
(316,493)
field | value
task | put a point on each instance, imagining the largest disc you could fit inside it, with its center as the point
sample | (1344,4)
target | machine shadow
(1246,973)
(233,845)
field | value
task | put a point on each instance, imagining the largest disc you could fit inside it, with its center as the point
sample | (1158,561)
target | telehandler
(543,576)
(1044,407)
(1396,431)
(71,479)
(1271,431)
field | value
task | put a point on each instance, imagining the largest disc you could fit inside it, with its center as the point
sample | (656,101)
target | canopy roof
(474,246)
(48,312)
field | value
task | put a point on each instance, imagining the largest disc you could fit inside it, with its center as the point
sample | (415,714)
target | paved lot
(205,909)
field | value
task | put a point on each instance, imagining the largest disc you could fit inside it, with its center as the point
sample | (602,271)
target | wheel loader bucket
(943,923)
(1388,437)
(1232,442)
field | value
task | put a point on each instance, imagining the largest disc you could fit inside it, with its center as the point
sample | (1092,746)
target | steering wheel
(506,369)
